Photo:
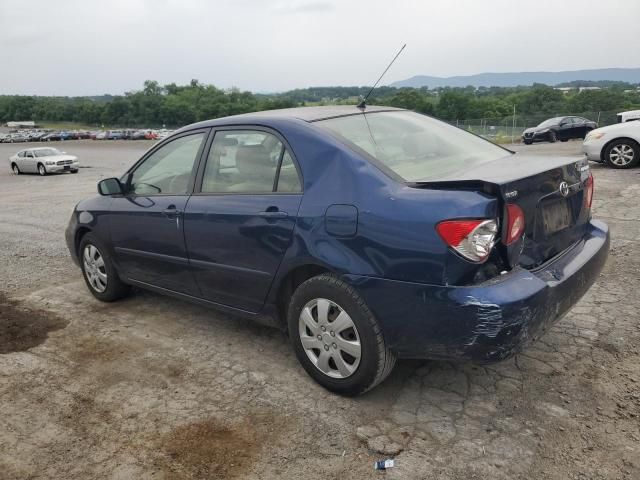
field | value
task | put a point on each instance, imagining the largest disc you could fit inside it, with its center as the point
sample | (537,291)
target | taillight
(473,239)
(588,191)
(515,223)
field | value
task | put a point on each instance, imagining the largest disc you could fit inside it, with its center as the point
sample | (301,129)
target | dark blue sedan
(370,234)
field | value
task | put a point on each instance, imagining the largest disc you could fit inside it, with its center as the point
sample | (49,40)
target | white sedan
(43,160)
(616,145)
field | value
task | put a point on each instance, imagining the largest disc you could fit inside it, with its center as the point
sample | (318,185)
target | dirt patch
(22,327)
(90,348)
(211,449)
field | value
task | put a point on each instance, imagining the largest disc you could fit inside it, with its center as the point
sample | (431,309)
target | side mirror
(110,186)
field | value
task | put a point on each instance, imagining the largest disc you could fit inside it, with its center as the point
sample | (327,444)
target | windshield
(550,122)
(413,146)
(47,152)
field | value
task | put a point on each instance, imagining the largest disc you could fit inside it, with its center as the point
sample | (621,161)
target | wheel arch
(290,282)
(80,233)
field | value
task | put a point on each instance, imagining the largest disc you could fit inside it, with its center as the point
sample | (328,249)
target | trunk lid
(551,193)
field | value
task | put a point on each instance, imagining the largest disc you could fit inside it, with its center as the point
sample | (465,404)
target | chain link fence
(509,129)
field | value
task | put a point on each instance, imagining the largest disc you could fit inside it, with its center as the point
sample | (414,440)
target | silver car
(43,160)
(617,145)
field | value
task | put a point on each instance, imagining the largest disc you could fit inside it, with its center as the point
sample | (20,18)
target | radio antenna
(363,102)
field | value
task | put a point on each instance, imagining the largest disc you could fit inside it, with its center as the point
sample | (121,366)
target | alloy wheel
(330,338)
(94,268)
(42,170)
(15,169)
(621,154)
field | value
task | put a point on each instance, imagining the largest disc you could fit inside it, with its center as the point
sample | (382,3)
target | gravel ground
(152,387)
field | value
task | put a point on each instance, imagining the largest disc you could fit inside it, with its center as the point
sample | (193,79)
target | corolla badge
(563,189)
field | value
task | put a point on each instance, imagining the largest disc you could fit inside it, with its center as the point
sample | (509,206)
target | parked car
(630,116)
(617,145)
(370,238)
(16,138)
(56,136)
(558,128)
(139,135)
(35,136)
(43,160)
(100,136)
(150,135)
(80,135)
(114,135)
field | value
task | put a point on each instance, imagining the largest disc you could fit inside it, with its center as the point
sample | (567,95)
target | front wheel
(623,153)
(15,169)
(336,337)
(41,170)
(99,272)
(552,137)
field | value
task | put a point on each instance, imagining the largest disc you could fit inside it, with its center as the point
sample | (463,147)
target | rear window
(412,146)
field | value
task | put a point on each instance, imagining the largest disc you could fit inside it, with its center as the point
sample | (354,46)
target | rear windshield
(414,147)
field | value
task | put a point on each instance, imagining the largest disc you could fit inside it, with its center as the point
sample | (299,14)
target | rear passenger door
(239,222)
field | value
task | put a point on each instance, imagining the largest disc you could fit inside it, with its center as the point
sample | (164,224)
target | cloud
(303,7)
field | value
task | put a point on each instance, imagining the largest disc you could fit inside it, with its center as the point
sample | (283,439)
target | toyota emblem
(564,189)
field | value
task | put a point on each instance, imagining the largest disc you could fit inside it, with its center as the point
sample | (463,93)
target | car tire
(528,142)
(622,153)
(98,270)
(552,137)
(564,140)
(348,361)
(15,169)
(42,171)
(74,171)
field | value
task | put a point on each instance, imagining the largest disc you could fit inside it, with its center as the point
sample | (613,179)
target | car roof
(307,114)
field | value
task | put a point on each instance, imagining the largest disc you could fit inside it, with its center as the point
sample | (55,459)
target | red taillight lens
(588,191)
(515,223)
(473,239)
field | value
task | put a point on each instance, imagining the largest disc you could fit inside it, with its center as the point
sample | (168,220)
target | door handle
(171,212)
(273,214)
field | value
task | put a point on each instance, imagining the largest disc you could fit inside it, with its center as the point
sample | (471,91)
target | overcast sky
(87,47)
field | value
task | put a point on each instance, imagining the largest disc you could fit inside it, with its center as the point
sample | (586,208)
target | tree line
(175,105)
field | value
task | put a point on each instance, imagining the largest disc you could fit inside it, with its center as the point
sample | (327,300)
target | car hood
(629,128)
(56,158)
(536,129)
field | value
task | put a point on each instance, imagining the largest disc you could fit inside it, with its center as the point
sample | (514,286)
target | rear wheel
(623,153)
(336,337)
(15,169)
(41,170)
(99,272)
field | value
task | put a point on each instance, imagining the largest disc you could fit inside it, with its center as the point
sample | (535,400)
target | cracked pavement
(152,387)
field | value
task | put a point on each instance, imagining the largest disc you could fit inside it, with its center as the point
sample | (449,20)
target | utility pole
(513,125)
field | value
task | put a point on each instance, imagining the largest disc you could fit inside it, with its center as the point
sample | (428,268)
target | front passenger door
(566,129)
(146,223)
(29,162)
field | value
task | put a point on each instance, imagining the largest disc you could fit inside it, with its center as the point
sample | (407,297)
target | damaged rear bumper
(486,322)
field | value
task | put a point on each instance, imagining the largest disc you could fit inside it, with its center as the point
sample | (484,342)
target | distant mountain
(514,79)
